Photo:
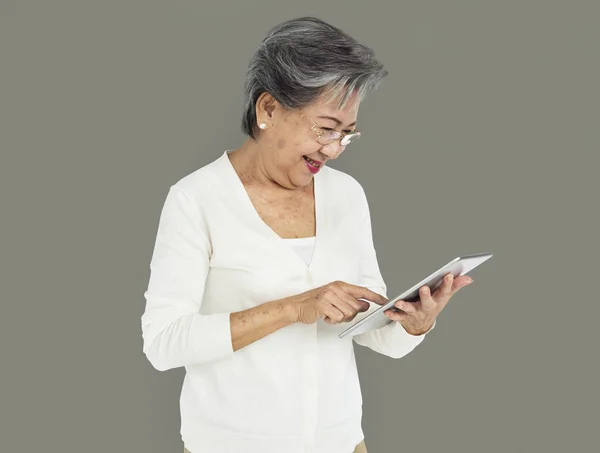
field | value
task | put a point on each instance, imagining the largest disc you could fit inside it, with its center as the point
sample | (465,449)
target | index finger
(360,292)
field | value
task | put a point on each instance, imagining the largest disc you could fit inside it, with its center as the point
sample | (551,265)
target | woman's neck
(249,163)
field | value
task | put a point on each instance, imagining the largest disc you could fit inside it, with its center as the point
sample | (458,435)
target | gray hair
(304,58)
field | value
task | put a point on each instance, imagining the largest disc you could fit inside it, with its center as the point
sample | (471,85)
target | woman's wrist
(422,331)
(288,310)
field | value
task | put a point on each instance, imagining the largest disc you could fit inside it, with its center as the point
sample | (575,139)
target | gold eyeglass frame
(320,132)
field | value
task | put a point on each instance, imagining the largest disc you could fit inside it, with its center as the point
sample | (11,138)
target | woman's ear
(266,106)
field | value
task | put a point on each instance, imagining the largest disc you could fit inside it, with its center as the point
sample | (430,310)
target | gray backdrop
(484,138)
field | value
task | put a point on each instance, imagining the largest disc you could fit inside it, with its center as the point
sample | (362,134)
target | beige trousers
(360,448)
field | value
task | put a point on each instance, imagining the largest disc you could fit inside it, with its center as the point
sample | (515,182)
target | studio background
(483,138)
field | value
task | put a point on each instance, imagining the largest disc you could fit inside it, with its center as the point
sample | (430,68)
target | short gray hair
(303,58)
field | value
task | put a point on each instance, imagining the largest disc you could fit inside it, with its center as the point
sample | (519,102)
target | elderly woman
(264,255)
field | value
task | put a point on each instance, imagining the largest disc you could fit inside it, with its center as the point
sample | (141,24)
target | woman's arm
(174,332)
(255,323)
(391,340)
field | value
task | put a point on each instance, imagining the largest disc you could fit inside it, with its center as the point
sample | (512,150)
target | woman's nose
(333,150)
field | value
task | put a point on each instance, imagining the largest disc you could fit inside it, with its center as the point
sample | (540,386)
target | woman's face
(292,155)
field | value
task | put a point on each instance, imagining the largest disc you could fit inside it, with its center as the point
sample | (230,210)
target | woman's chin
(302,180)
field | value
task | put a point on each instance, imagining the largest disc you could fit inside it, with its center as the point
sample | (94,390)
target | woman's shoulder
(342,182)
(203,180)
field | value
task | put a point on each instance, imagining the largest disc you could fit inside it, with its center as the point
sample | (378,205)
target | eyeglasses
(326,136)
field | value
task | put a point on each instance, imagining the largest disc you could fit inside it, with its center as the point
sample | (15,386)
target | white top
(304,247)
(297,389)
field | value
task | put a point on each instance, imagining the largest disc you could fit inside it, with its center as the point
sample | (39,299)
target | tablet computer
(377,319)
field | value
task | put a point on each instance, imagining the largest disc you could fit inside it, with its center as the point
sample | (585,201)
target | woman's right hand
(335,302)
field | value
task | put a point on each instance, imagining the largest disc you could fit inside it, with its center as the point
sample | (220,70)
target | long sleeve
(391,340)
(174,332)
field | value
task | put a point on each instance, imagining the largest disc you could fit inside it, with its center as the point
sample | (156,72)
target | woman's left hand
(418,317)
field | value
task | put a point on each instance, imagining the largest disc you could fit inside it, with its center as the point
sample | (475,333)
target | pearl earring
(262,125)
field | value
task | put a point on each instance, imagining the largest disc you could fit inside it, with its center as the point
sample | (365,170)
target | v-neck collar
(250,213)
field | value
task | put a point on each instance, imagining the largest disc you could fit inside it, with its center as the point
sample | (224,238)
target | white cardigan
(297,389)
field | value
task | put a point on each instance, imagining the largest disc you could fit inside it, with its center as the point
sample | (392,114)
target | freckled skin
(272,166)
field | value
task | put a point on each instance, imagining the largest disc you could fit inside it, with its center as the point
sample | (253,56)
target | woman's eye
(329,129)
